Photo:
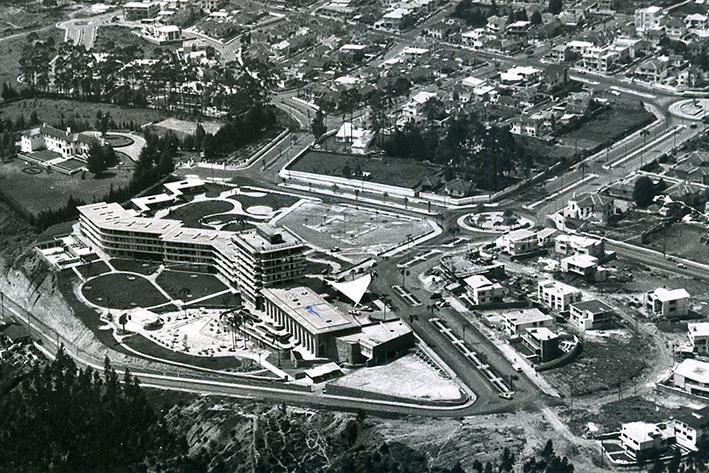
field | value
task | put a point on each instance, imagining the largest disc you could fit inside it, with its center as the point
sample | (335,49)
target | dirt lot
(46,191)
(607,358)
(682,240)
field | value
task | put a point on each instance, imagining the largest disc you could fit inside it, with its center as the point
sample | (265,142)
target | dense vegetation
(465,145)
(60,418)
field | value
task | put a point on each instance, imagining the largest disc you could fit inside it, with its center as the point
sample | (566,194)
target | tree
(100,158)
(318,126)
(123,320)
(548,451)
(644,191)
(536,18)
(555,6)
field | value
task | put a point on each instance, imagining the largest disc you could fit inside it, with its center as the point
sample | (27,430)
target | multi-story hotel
(249,260)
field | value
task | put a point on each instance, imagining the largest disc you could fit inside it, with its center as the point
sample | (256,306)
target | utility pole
(494,160)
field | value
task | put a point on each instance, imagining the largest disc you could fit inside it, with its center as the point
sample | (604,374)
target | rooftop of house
(699,329)
(594,306)
(665,295)
(527,316)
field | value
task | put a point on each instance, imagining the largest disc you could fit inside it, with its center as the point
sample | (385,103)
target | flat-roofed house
(692,377)
(593,314)
(483,291)
(641,440)
(698,334)
(557,295)
(668,303)
(519,321)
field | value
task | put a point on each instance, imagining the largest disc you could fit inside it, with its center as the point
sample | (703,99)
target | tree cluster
(156,160)
(63,419)
(645,191)
(240,131)
(100,158)
(465,145)
(474,14)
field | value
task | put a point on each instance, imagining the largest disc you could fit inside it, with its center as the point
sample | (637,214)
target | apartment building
(647,19)
(136,11)
(482,291)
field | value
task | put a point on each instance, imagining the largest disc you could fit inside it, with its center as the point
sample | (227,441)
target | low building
(517,242)
(642,441)
(543,342)
(160,34)
(482,291)
(692,377)
(668,303)
(570,244)
(557,295)
(593,314)
(65,143)
(698,334)
(691,429)
(517,322)
(313,321)
(136,11)
(590,207)
(375,343)
(585,266)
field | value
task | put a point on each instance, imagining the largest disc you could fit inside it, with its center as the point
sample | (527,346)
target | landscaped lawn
(118,141)
(51,190)
(275,201)
(227,300)
(189,286)
(122,291)
(94,269)
(191,214)
(132,266)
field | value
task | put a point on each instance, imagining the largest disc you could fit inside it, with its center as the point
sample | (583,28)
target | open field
(392,171)
(682,240)
(608,358)
(53,111)
(610,416)
(189,286)
(109,37)
(609,125)
(122,291)
(191,214)
(48,191)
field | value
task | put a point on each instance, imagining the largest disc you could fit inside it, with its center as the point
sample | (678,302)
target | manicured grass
(118,141)
(393,171)
(189,286)
(275,201)
(122,291)
(191,214)
(218,302)
(94,269)
(132,266)
(50,191)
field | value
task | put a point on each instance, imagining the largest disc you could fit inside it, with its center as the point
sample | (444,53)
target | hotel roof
(309,309)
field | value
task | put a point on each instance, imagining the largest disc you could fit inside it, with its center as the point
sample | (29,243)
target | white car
(516,367)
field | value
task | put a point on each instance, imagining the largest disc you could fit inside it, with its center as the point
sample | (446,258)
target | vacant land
(191,214)
(605,361)
(51,190)
(188,286)
(611,416)
(610,125)
(683,240)
(122,291)
(392,171)
(54,111)
(110,37)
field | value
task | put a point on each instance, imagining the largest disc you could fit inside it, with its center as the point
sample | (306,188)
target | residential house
(652,70)
(698,334)
(668,303)
(136,11)
(557,295)
(642,441)
(589,207)
(674,27)
(543,342)
(588,315)
(691,429)
(696,21)
(692,377)
(482,291)
(517,242)
(516,322)
(459,188)
(497,24)
(65,143)
(585,266)
(559,53)
(556,76)
(569,244)
(649,18)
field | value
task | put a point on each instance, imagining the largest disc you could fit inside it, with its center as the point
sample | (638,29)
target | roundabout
(493,222)
(690,109)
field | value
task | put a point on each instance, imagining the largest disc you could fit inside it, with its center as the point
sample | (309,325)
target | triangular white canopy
(354,290)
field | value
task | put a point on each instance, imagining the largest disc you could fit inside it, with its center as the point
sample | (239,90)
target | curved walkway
(690,109)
